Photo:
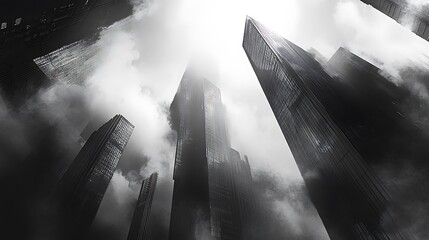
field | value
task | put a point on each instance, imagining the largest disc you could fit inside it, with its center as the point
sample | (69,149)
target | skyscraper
(373,98)
(204,191)
(405,13)
(70,64)
(83,185)
(243,195)
(139,229)
(31,29)
(387,125)
(190,211)
(372,86)
(349,196)
(21,79)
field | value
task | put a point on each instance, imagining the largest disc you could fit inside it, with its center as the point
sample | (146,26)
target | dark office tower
(223,222)
(367,83)
(202,194)
(17,81)
(404,13)
(139,229)
(190,212)
(30,29)
(82,187)
(379,118)
(243,196)
(349,197)
(374,99)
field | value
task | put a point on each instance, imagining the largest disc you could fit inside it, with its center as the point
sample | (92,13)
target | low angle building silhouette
(81,189)
(210,186)
(312,110)
(139,229)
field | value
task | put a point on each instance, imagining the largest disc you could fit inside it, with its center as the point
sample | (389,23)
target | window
(18,21)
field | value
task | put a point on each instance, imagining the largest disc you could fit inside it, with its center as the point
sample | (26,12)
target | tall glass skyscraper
(139,229)
(387,124)
(190,212)
(205,202)
(83,185)
(404,12)
(351,199)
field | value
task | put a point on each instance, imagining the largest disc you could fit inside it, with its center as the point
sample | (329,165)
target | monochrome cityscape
(156,120)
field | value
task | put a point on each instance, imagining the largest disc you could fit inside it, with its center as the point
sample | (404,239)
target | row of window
(391,9)
(421,28)
(216,146)
(122,133)
(183,97)
(17,22)
(106,165)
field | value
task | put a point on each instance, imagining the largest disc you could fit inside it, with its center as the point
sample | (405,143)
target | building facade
(350,198)
(190,211)
(71,64)
(83,185)
(21,79)
(139,229)
(30,29)
(386,123)
(205,196)
(246,205)
(405,13)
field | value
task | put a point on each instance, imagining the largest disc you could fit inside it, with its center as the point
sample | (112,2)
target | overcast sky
(140,66)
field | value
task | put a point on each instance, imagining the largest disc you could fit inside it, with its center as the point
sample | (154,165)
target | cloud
(139,67)
(285,209)
(120,199)
(40,144)
(417,3)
